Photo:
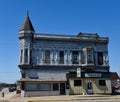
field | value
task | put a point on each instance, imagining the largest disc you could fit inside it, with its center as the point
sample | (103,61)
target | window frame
(54,87)
(61,58)
(47,57)
(75,57)
(100,58)
(102,82)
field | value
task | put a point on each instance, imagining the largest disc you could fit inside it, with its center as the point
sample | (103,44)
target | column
(79,58)
(70,57)
(28,56)
(42,57)
(56,57)
(52,56)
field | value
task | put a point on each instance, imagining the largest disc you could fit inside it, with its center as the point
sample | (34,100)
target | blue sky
(56,16)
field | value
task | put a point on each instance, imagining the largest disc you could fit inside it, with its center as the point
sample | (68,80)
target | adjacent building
(55,64)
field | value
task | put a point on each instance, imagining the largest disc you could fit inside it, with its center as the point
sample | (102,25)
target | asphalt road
(95,100)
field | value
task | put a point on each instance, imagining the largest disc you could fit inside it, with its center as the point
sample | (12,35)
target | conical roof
(27,25)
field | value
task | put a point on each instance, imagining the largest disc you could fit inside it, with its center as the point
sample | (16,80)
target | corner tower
(26,34)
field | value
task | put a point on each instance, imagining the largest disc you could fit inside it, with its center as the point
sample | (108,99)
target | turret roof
(27,25)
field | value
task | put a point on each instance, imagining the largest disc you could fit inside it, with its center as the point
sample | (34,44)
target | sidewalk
(63,98)
(73,97)
(16,98)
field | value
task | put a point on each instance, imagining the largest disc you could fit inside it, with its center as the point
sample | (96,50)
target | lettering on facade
(93,75)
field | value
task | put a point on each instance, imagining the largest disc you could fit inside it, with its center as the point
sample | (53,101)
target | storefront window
(38,87)
(32,87)
(55,87)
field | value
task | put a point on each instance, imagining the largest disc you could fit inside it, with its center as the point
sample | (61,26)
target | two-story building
(55,64)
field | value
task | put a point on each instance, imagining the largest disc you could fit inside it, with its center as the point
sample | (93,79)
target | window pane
(55,87)
(47,56)
(90,56)
(61,57)
(21,56)
(102,82)
(30,56)
(100,58)
(77,82)
(32,87)
(45,87)
(26,56)
(75,57)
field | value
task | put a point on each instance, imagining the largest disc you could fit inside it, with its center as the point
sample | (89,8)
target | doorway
(89,88)
(62,88)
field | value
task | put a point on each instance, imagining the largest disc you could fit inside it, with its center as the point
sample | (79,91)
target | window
(38,87)
(90,56)
(45,87)
(30,56)
(47,56)
(100,58)
(77,82)
(55,87)
(21,55)
(75,57)
(102,83)
(32,87)
(26,55)
(61,57)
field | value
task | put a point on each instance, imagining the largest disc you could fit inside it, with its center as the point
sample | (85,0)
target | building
(115,79)
(55,64)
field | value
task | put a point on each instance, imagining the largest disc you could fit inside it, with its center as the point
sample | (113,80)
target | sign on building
(93,75)
(78,72)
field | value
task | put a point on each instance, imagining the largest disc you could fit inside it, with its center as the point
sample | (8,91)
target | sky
(56,17)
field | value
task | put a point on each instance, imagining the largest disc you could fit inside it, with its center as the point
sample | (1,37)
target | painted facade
(55,64)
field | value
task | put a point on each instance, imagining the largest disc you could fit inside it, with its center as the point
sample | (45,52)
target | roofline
(80,37)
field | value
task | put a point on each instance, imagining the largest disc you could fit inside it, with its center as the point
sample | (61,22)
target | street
(95,101)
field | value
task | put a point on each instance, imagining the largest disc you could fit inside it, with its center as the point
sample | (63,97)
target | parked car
(116,90)
(12,89)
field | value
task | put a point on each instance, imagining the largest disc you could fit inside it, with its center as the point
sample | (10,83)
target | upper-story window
(30,56)
(90,59)
(47,56)
(61,57)
(75,57)
(88,55)
(21,54)
(100,58)
(26,55)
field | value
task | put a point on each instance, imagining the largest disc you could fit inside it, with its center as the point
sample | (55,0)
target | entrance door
(89,88)
(62,88)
